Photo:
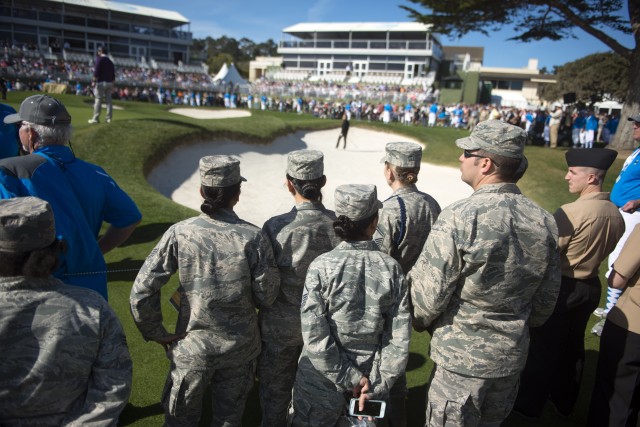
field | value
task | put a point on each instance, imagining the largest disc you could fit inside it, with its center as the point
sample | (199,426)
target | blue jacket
(82,196)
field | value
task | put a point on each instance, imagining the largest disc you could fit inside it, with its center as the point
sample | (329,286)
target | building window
(50,17)
(75,20)
(24,13)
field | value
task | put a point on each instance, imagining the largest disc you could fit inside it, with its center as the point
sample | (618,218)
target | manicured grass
(143,134)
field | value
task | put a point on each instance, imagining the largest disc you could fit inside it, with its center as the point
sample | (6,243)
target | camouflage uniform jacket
(226,268)
(404,224)
(297,237)
(64,356)
(489,269)
(355,318)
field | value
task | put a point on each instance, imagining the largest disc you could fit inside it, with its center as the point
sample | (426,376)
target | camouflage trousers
(316,401)
(277,366)
(460,400)
(185,389)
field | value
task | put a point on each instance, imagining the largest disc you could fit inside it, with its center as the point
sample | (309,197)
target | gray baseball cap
(403,154)
(220,171)
(635,118)
(497,137)
(26,223)
(41,110)
(305,164)
(357,201)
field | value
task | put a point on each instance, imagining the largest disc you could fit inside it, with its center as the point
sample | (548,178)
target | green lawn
(143,134)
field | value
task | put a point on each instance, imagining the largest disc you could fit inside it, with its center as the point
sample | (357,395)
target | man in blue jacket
(82,195)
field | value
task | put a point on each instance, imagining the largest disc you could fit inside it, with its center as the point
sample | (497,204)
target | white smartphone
(372,408)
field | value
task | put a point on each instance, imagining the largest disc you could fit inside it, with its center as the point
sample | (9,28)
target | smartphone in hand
(372,408)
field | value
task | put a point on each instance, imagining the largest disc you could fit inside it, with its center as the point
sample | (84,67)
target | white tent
(229,75)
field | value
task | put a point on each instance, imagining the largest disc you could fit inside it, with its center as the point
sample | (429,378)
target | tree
(592,78)
(548,19)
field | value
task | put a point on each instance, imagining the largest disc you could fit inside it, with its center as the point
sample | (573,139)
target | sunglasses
(470,153)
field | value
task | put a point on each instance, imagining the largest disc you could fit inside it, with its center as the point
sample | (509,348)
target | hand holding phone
(372,408)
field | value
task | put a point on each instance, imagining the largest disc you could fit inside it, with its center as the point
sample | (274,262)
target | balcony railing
(357,44)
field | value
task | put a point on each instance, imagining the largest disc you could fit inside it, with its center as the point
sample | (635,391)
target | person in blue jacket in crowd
(82,195)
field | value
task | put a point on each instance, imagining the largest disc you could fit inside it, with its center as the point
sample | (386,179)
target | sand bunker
(264,194)
(201,113)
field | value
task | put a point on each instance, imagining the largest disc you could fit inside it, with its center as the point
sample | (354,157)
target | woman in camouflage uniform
(298,237)
(355,319)
(226,269)
(405,221)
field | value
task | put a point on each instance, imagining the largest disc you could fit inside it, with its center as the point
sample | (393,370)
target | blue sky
(260,20)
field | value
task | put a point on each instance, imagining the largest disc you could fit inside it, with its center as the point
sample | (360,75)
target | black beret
(599,158)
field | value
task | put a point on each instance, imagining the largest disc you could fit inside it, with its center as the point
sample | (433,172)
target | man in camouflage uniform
(297,237)
(226,268)
(64,355)
(405,222)
(489,269)
(355,321)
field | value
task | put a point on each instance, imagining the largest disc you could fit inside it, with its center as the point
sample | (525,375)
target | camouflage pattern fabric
(26,223)
(219,171)
(497,137)
(403,154)
(64,356)
(357,201)
(226,268)
(305,164)
(355,322)
(185,388)
(489,269)
(461,400)
(404,223)
(297,237)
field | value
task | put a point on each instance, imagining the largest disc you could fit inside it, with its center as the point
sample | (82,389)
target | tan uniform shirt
(589,230)
(626,313)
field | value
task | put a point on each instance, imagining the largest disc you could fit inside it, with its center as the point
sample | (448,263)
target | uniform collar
(309,206)
(404,190)
(358,245)
(503,187)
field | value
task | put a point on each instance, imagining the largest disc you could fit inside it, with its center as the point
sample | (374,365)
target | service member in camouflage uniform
(64,356)
(407,215)
(405,222)
(489,269)
(298,237)
(355,319)
(226,268)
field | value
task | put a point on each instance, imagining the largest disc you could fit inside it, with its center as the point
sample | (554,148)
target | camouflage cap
(41,110)
(219,171)
(305,164)
(497,137)
(357,201)
(26,223)
(403,154)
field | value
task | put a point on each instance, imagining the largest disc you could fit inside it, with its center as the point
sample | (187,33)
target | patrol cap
(635,118)
(220,171)
(305,164)
(41,110)
(497,137)
(357,201)
(403,154)
(26,223)
(599,158)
